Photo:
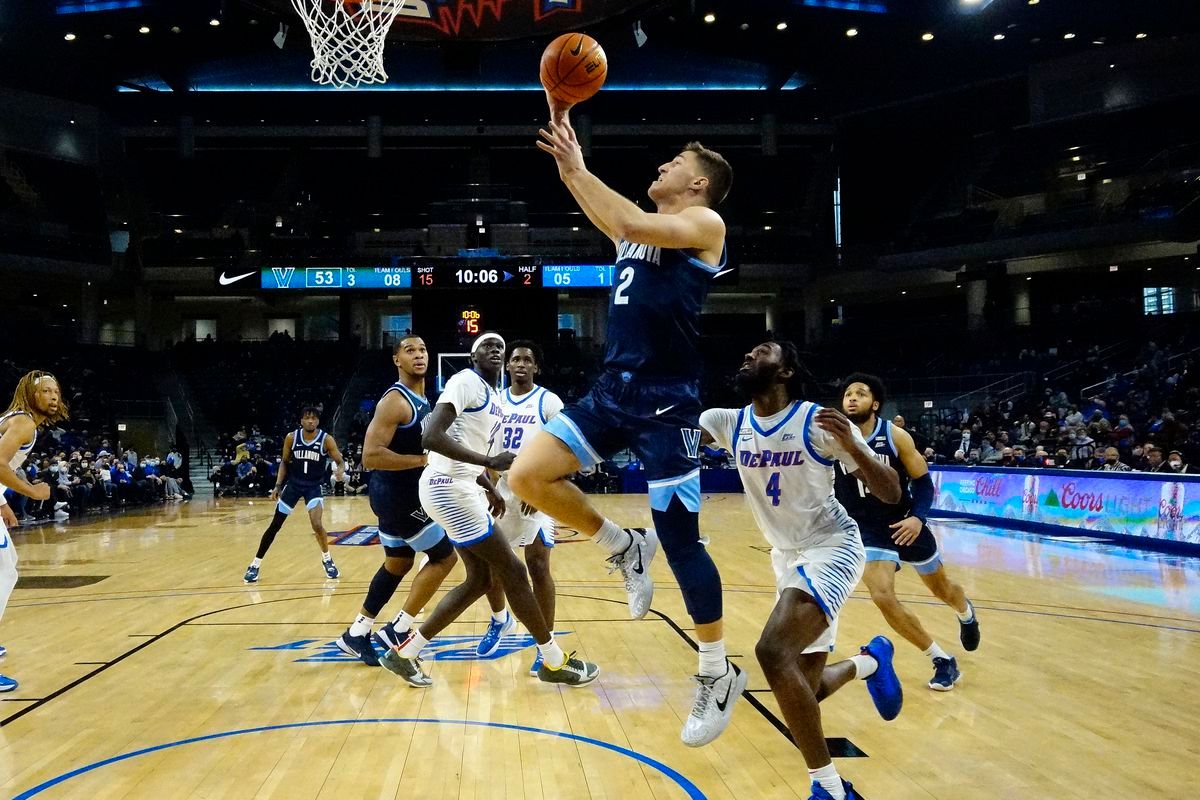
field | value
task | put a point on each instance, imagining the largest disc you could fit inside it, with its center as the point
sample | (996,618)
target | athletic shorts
(828,572)
(404,527)
(459,506)
(293,493)
(8,567)
(923,554)
(518,529)
(659,421)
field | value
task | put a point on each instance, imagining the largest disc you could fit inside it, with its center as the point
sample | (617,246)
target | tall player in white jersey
(785,449)
(36,401)
(526,408)
(455,493)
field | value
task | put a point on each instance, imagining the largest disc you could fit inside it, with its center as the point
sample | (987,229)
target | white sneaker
(60,505)
(713,706)
(634,565)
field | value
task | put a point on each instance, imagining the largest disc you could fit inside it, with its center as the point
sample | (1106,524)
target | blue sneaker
(251,575)
(358,646)
(388,637)
(7,684)
(3,651)
(819,793)
(537,664)
(945,674)
(330,568)
(490,642)
(884,686)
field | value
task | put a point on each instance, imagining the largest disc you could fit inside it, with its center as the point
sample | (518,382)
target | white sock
(552,655)
(864,666)
(827,776)
(968,615)
(612,538)
(935,651)
(403,621)
(500,616)
(413,646)
(256,562)
(362,625)
(327,556)
(712,659)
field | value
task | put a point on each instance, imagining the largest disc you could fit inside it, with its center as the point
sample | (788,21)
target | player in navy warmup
(300,475)
(648,397)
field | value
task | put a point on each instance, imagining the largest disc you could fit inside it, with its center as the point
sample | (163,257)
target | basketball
(573,68)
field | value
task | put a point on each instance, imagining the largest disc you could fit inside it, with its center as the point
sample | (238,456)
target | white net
(348,39)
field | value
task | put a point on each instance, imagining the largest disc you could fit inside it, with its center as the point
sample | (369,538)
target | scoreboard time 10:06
(445,275)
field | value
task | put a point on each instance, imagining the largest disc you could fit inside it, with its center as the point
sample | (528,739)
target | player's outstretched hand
(836,425)
(906,530)
(560,142)
(501,462)
(558,109)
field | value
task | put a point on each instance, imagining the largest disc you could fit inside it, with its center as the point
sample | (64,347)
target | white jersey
(524,416)
(786,465)
(477,406)
(23,451)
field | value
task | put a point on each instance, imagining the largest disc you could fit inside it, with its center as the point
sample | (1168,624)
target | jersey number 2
(619,297)
(773,491)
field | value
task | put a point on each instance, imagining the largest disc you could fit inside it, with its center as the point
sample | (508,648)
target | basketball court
(150,670)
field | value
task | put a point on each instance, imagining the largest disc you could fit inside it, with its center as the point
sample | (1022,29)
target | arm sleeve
(829,447)
(719,423)
(922,495)
(463,391)
(551,404)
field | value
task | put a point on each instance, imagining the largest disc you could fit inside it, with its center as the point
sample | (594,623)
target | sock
(500,616)
(864,666)
(968,615)
(256,562)
(403,621)
(552,655)
(327,556)
(936,652)
(362,625)
(712,659)
(829,780)
(413,645)
(612,538)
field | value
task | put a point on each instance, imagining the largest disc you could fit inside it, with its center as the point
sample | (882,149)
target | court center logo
(444,648)
(358,536)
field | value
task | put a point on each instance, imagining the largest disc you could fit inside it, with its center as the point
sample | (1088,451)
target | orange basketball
(574,67)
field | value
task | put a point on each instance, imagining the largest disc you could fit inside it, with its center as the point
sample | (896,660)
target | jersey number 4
(512,438)
(773,490)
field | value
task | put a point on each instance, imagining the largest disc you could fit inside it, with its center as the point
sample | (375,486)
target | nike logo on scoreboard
(224,280)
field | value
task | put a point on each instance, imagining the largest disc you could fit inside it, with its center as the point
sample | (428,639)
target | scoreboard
(444,274)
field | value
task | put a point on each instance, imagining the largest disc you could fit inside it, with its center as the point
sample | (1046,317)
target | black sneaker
(358,646)
(573,672)
(968,632)
(409,669)
(945,674)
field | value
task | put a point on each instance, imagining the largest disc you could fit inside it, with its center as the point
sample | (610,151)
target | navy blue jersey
(308,458)
(654,312)
(406,440)
(867,509)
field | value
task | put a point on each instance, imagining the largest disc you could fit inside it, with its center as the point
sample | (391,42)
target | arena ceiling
(833,55)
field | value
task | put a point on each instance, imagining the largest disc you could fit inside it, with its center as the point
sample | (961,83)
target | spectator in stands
(1113,463)
(1019,455)
(898,421)
(931,456)
(960,459)
(1176,463)
(1082,445)
(1061,460)
(1122,435)
(123,481)
(1155,462)
(988,452)
(1007,458)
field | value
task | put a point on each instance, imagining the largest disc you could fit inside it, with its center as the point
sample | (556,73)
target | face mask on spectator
(1175,464)
(1110,459)
(54,468)
(143,463)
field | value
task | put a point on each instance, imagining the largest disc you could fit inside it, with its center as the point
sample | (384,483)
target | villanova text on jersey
(308,458)
(654,312)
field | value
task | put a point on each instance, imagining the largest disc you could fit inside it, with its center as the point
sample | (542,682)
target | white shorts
(8,567)
(521,530)
(459,506)
(827,572)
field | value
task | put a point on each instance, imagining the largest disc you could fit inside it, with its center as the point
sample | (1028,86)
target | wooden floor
(161,675)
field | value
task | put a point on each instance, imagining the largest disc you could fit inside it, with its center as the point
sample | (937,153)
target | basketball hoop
(348,38)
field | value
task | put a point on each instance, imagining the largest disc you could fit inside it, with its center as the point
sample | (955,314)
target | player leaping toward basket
(648,397)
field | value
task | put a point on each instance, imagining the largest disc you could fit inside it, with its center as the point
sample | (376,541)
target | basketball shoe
(713,706)
(388,637)
(490,642)
(409,669)
(573,672)
(968,632)
(819,793)
(331,569)
(358,646)
(634,566)
(945,674)
(884,685)
(537,664)
(251,575)
(7,684)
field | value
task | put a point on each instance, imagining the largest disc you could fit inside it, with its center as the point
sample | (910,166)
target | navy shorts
(293,493)
(659,421)
(923,554)
(404,527)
